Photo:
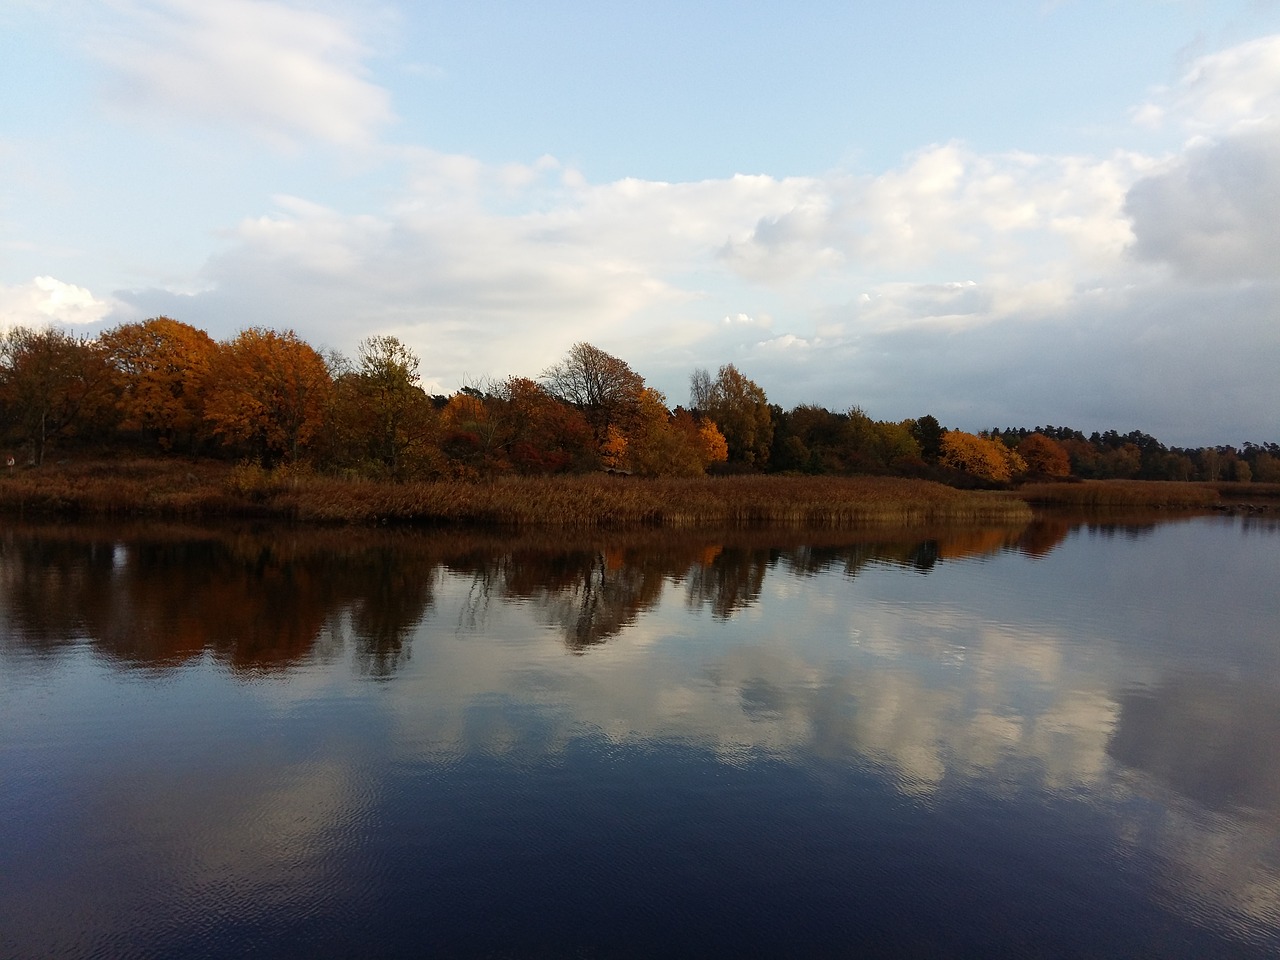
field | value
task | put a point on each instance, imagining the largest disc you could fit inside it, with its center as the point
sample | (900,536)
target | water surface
(1058,741)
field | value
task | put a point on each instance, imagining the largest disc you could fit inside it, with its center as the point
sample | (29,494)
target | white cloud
(283,71)
(984,288)
(1222,91)
(46,300)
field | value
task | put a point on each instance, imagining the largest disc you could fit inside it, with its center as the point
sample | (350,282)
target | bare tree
(602,386)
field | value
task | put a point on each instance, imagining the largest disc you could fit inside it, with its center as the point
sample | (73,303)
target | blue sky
(1002,213)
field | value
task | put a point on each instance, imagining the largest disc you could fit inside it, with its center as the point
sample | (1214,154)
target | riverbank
(1152,495)
(207,490)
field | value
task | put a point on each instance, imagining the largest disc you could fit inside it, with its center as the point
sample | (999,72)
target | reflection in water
(1213,739)
(256,601)
(754,735)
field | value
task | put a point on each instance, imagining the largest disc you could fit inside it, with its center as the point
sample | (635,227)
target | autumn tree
(161,371)
(1044,456)
(602,386)
(541,433)
(980,457)
(381,414)
(52,385)
(269,393)
(740,410)
(472,434)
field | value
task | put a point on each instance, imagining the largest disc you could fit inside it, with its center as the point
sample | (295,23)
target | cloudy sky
(1007,213)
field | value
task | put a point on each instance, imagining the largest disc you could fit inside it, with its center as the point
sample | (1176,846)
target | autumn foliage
(269,399)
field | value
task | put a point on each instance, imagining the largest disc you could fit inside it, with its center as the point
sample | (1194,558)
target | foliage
(52,385)
(269,394)
(380,415)
(268,397)
(740,410)
(1043,456)
(981,457)
(161,370)
(599,384)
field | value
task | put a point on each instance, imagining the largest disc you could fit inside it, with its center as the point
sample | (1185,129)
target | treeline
(268,397)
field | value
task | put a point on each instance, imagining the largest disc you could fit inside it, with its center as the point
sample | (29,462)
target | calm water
(1056,742)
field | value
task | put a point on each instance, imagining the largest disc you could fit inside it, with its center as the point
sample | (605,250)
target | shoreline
(210,490)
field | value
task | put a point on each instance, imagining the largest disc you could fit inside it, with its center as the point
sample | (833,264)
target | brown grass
(1121,494)
(606,502)
(204,490)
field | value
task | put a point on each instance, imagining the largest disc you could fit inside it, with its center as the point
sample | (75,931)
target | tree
(981,457)
(472,434)
(740,410)
(269,393)
(541,433)
(391,402)
(603,387)
(671,444)
(1044,457)
(928,433)
(52,385)
(161,369)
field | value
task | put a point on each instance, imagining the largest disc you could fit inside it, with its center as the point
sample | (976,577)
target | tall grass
(160,488)
(598,501)
(1121,494)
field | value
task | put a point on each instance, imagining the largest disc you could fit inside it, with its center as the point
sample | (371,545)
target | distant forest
(163,387)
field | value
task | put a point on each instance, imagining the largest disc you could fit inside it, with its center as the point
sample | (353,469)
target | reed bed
(1122,494)
(607,502)
(123,488)
(209,490)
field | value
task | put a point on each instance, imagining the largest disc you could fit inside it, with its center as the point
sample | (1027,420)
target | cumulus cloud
(1010,288)
(46,300)
(283,71)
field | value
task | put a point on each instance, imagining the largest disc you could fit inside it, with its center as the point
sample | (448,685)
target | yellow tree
(269,393)
(161,370)
(739,408)
(980,457)
(384,404)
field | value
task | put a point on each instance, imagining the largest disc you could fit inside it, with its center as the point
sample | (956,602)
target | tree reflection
(731,582)
(261,599)
(254,601)
(589,595)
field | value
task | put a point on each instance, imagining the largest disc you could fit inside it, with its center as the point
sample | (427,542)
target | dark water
(1062,741)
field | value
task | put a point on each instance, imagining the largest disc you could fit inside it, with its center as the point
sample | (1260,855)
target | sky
(997,213)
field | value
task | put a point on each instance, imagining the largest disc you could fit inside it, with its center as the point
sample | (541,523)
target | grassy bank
(1148,494)
(1121,495)
(202,490)
(211,490)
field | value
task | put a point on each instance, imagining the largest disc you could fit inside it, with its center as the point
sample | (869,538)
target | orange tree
(1044,456)
(269,394)
(160,369)
(981,457)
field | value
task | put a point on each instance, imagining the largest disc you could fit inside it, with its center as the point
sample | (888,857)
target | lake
(1057,741)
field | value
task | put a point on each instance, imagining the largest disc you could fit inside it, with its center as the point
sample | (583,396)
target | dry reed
(1121,494)
(202,490)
